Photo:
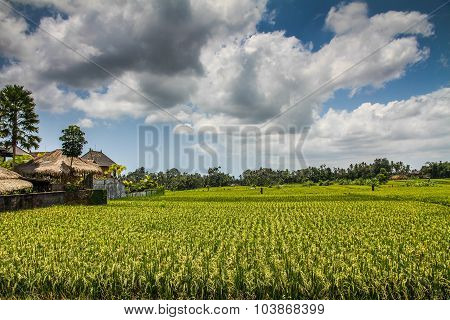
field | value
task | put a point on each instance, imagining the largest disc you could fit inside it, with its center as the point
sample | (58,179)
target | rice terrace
(291,242)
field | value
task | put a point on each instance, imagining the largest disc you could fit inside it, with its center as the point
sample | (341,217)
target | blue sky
(186,82)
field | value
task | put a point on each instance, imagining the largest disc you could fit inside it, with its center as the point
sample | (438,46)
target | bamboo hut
(57,165)
(11,181)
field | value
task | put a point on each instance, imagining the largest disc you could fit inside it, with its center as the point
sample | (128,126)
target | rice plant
(336,242)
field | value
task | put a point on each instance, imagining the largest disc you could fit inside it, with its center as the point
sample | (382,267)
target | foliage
(74,184)
(72,141)
(338,242)
(98,197)
(18,119)
(216,178)
(261,177)
(378,172)
(175,180)
(381,169)
(136,175)
(382,176)
(115,171)
(420,183)
(8,164)
(436,170)
(325,183)
(144,184)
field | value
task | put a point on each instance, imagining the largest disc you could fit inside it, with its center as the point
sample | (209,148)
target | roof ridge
(98,157)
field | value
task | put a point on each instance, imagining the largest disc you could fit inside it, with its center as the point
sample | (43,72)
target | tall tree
(72,142)
(18,119)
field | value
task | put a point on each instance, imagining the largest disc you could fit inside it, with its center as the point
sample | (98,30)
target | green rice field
(292,242)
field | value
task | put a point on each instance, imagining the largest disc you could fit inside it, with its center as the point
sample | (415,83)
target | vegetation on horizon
(378,172)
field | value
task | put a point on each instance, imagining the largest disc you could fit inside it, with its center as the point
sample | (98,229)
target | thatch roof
(56,164)
(11,185)
(8,174)
(10,181)
(98,157)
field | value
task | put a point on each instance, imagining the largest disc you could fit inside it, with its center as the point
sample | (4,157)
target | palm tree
(18,120)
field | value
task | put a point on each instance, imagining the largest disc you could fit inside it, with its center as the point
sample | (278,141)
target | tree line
(378,172)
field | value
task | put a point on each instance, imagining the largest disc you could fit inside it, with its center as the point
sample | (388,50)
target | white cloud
(205,54)
(204,62)
(347,18)
(416,128)
(153,46)
(255,79)
(85,123)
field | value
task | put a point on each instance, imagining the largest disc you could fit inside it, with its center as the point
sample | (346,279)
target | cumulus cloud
(201,59)
(158,42)
(417,127)
(255,79)
(346,18)
(414,130)
(85,123)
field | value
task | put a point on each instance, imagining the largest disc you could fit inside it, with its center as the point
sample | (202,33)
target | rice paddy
(294,242)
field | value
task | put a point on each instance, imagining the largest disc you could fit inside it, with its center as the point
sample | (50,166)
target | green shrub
(147,183)
(98,197)
(420,183)
(72,186)
(19,160)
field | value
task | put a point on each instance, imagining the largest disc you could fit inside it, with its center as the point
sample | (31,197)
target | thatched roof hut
(55,164)
(10,181)
(99,158)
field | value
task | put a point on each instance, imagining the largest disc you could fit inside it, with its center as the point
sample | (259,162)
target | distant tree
(436,170)
(380,164)
(382,177)
(72,142)
(136,175)
(216,178)
(376,173)
(18,119)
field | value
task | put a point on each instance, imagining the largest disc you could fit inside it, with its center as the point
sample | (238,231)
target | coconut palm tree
(18,119)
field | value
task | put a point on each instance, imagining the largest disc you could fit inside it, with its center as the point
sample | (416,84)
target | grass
(292,242)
